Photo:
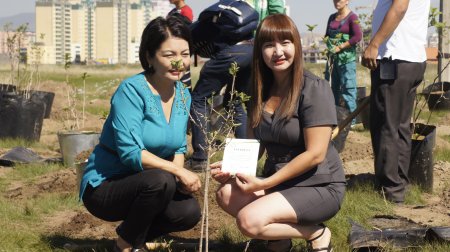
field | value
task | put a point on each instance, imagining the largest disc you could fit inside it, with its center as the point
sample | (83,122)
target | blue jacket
(137,122)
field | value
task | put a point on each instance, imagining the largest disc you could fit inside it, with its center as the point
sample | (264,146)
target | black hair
(158,31)
(183,18)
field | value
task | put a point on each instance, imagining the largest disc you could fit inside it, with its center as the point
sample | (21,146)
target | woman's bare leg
(231,199)
(271,217)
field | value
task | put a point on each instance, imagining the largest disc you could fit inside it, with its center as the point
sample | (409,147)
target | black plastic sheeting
(409,236)
(21,155)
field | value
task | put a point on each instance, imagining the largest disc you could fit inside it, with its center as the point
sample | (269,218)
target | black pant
(213,76)
(391,104)
(147,202)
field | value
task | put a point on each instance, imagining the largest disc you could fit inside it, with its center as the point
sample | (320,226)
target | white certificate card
(240,156)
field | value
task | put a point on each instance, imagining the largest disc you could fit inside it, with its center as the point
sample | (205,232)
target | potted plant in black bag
(22,109)
(438,93)
(423,141)
(436,96)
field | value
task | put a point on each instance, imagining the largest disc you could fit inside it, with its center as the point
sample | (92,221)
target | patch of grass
(431,117)
(96,110)
(7,143)
(22,222)
(431,247)
(50,203)
(217,157)
(14,215)
(30,171)
(361,203)
(22,239)
(97,74)
(446,138)
(442,154)
(230,235)
(19,230)
(414,195)
(360,129)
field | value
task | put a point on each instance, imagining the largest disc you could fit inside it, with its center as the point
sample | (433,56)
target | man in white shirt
(396,55)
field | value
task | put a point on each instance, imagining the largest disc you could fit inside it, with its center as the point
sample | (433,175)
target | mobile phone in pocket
(388,69)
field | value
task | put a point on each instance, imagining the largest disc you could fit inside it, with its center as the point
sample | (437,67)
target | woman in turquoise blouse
(136,174)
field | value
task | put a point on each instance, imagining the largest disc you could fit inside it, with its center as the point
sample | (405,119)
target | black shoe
(329,248)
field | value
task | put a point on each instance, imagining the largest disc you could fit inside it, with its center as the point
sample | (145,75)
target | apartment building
(98,31)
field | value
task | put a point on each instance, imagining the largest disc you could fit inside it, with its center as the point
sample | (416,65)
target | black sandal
(329,248)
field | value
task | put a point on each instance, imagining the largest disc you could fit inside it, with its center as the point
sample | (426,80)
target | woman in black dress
(292,113)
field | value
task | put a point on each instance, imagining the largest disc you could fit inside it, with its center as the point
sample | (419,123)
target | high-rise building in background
(101,31)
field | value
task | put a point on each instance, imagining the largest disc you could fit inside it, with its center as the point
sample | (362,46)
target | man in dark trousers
(215,75)
(396,55)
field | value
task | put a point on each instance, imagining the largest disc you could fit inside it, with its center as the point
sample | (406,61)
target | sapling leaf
(233,69)
(311,27)
(177,64)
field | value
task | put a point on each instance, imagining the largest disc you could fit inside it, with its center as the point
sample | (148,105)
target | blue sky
(302,11)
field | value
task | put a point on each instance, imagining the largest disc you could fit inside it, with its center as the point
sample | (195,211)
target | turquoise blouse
(137,122)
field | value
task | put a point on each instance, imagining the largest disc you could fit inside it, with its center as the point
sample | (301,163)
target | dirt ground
(357,158)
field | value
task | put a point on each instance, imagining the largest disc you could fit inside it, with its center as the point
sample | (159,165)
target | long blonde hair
(273,27)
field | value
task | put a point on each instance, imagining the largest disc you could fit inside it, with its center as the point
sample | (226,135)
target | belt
(106,148)
(279,159)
